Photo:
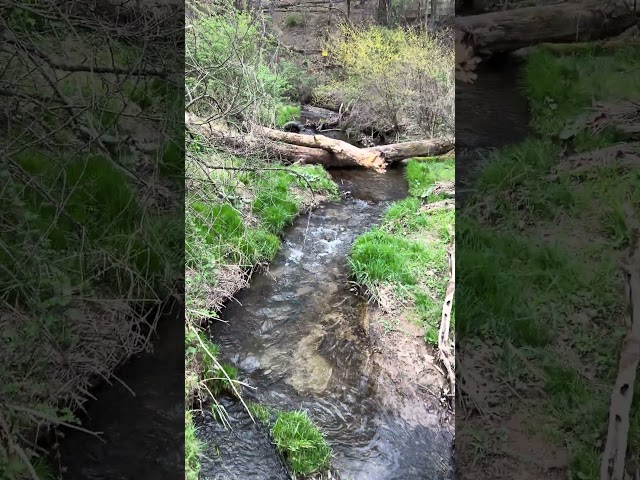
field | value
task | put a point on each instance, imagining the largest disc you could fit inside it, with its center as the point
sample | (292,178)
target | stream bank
(539,363)
(301,333)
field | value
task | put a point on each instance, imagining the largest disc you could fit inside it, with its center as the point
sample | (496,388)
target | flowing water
(492,112)
(141,424)
(296,335)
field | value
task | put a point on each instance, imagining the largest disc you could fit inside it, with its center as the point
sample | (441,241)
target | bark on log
(343,151)
(510,30)
(315,149)
(613,465)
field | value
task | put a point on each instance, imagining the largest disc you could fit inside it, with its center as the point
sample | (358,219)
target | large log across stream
(509,30)
(316,149)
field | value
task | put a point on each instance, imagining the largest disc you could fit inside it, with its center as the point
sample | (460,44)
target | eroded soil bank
(298,336)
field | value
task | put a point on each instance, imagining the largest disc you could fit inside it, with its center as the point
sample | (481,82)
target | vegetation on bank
(226,237)
(403,262)
(88,247)
(237,206)
(396,80)
(546,295)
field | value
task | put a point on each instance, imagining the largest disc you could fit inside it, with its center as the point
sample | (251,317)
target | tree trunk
(315,149)
(342,151)
(509,30)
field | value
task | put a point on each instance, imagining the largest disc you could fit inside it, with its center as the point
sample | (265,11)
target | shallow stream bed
(297,336)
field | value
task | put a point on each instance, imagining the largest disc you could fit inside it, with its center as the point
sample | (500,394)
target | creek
(296,335)
(140,423)
(492,112)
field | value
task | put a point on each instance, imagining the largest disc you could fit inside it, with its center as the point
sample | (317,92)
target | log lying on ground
(510,30)
(612,466)
(315,149)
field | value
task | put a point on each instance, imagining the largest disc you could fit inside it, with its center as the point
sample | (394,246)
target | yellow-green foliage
(377,51)
(408,76)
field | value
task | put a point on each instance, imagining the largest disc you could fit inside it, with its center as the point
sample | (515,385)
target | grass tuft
(301,443)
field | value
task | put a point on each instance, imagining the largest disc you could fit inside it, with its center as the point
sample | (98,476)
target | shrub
(240,82)
(295,20)
(403,79)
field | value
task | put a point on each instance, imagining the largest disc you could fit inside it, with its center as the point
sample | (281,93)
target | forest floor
(544,312)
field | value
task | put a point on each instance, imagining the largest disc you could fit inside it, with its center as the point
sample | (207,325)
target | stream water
(296,335)
(492,112)
(142,424)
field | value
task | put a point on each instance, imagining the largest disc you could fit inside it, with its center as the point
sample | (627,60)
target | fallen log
(343,151)
(614,456)
(510,30)
(314,149)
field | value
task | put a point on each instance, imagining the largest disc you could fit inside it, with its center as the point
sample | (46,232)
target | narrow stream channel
(296,335)
(492,112)
(141,424)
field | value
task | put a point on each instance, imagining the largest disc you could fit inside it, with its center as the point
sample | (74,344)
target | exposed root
(444,345)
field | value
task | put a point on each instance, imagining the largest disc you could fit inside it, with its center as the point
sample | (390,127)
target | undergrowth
(88,249)
(403,263)
(541,278)
(234,219)
(399,80)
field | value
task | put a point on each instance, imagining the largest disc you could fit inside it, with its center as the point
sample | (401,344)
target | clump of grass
(407,253)
(301,443)
(378,256)
(295,20)
(192,448)
(422,175)
(260,412)
(286,113)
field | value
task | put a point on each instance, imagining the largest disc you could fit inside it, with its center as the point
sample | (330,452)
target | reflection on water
(296,335)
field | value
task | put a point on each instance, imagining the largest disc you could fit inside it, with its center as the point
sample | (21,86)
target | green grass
(561,87)
(286,113)
(260,412)
(525,286)
(295,20)
(423,174)
(407,253)
(77,233)
(192,448)
(301,443)
(233,218)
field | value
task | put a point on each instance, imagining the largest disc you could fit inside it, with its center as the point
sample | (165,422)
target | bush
(400,80)
(295,20)
(241,80)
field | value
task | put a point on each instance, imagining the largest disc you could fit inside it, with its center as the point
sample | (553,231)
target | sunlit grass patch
(301,443)
(407,253)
